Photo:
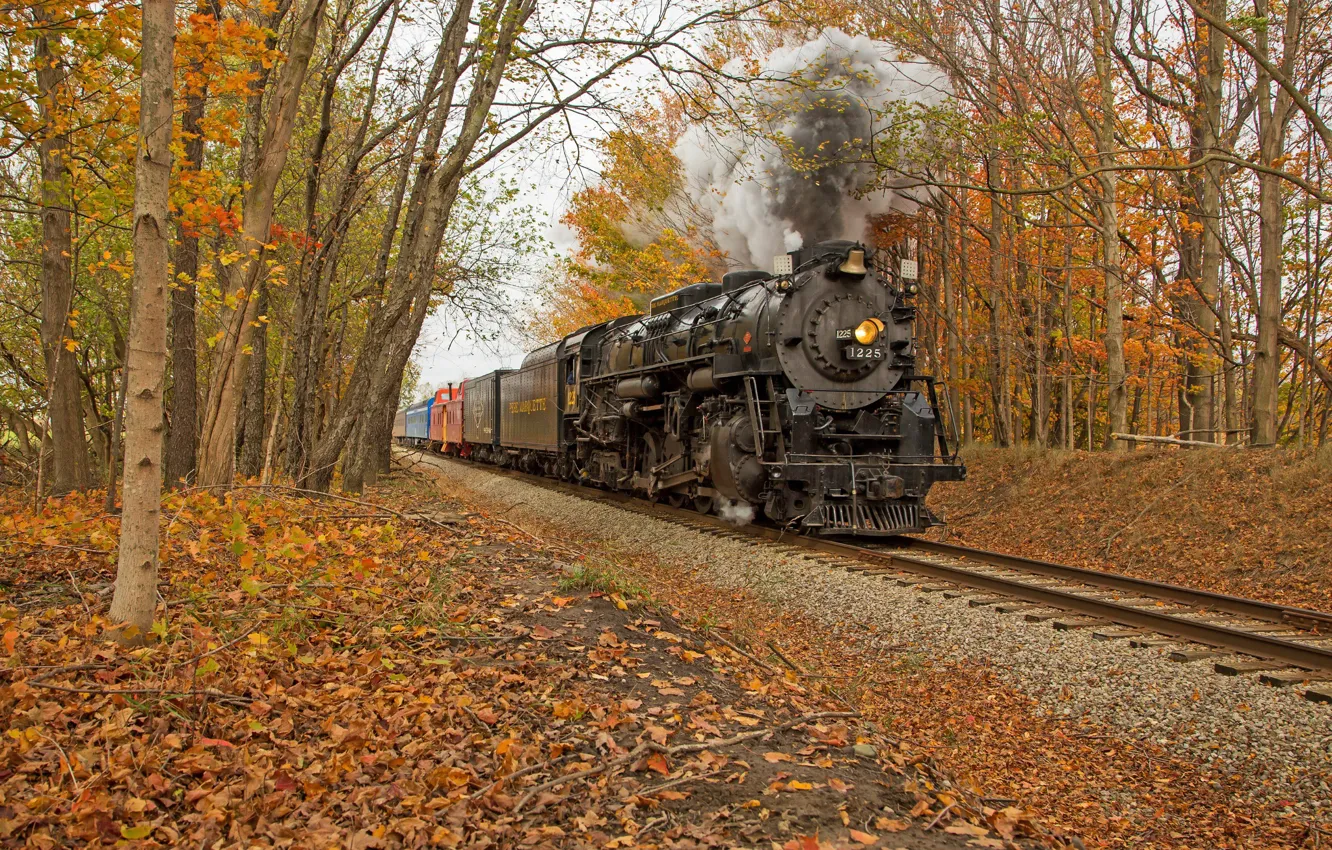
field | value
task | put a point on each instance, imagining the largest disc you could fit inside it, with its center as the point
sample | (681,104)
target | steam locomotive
(791,394)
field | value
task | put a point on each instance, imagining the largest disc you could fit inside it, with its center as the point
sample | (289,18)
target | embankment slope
(1254,523)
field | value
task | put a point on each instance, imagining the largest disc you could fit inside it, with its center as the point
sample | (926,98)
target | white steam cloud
(735,512)
(826,103)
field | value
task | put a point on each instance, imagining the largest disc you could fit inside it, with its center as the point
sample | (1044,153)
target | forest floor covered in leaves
(405,671)
(1245,522)
(1110,786)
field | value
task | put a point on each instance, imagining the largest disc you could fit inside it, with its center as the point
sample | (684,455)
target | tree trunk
(964,316)
(135,596)
(1117,395)
(252,441)
(183,438)
(359,465)
(266,475)
(117,426)
(1066,350)
(998,358)
(433,194)
(1212,77)
(952,320)
(68,467)
(1273,116)
(218,450)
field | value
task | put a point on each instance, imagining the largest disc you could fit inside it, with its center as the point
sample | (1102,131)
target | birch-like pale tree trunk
(145,364)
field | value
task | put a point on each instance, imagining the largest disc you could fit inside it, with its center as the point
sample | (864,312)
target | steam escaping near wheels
(735,512)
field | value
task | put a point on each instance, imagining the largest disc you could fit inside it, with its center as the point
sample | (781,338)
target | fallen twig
(40,682)
(760,662)
(315,495)
(61,546)
(476,795)
(680,749)
(656,789)
(946,809)
(788,662)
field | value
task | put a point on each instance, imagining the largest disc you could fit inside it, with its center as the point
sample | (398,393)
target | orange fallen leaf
(657,762)
(863,837)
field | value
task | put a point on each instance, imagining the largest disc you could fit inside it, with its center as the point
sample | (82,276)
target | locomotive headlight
(868,331)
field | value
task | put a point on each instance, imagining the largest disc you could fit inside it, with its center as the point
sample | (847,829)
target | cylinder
(702,380)
(645,386)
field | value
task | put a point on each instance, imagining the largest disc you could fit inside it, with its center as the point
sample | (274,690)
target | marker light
(868,331)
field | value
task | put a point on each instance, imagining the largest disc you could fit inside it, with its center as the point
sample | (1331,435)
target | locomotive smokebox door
(838,341)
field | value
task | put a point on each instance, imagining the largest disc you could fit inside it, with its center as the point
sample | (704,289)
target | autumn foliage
(375,674)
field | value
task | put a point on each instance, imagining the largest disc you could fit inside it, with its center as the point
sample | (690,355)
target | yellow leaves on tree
(637,235)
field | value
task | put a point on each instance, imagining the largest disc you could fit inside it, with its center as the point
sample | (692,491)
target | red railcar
(442,396)
(452,415)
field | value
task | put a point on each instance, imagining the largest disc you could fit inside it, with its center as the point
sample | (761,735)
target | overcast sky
(446,351)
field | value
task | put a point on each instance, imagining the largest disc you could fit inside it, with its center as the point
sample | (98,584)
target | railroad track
(1285,645)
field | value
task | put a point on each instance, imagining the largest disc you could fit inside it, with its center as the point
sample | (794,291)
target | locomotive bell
(854,262)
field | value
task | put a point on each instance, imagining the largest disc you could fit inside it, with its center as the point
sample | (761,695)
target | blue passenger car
(417,423)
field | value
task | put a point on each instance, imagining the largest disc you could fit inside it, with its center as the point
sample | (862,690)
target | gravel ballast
(1280,742)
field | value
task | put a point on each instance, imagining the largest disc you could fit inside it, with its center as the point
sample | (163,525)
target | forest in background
(1121,219)
(1117,205)
(338,170)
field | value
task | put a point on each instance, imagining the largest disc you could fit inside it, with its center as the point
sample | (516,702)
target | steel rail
(1254,608)
(1210,634)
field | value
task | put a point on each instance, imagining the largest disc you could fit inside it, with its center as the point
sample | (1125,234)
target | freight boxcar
(481,416)
(530,410)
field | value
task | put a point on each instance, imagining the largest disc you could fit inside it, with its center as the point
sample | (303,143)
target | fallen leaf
(966,829)
(657,762)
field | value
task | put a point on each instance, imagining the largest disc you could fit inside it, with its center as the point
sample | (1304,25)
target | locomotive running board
(865,518)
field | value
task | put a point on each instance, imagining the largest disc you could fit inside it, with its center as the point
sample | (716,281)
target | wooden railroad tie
(1116,634)
(1293,677)
(1068,624)
(1239,668)
(1183,655)
(1151,642)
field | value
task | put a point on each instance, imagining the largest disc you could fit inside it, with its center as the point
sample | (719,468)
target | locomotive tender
(792,394)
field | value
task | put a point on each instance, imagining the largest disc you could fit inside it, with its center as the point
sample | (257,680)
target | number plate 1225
(859,352)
